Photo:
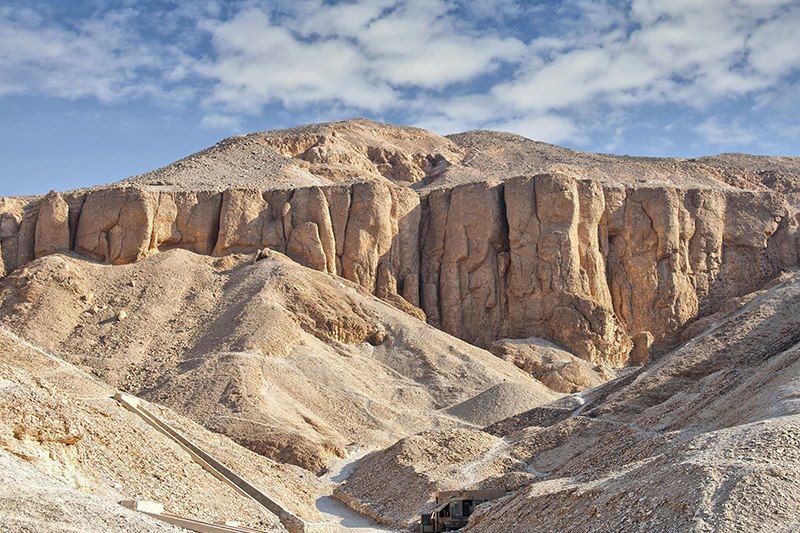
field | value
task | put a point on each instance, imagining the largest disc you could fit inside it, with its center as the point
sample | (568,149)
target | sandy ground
(33,502)
(349,520)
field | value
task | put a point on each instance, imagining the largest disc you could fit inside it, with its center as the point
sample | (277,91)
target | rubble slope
(293,363)
(60,424)
(705,439)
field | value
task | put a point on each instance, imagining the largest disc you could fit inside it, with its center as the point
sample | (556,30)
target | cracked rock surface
(489,235)
(612,340)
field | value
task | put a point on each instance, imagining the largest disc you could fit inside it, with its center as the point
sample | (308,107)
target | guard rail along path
(290,521)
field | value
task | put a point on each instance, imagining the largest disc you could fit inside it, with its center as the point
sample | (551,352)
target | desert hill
(706,439)
(490,235)
(62,430)
(477,310)
(290,362)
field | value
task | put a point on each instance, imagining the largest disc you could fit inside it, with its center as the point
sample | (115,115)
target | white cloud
(360,54)
(421,43)
(677,51)
(550,72)
(99,58)
(219,121)
(258,62)
(346,19)
(725,133)
(496,9)
(775,46)
(547,128)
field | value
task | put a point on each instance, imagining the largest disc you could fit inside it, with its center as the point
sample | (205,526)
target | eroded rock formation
(590,267)
(558,369)
(604,268)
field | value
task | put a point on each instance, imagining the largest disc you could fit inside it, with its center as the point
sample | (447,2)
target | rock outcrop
(592,267)
(607,269)
(558,369)
(115,225)
(52,226)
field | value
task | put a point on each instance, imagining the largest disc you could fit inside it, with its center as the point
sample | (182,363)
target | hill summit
(475,311)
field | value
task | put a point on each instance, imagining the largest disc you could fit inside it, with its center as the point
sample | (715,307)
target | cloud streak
(363,55)
(97,57)
(544,72)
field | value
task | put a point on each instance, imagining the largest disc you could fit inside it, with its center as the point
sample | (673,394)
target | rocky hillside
(706,439)
(62,435)
(490,235)
(478,310)
(289,362)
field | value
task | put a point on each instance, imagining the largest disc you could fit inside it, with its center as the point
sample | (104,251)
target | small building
(454,507)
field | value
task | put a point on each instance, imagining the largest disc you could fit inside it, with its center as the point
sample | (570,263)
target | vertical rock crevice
(604,271)
(214,226)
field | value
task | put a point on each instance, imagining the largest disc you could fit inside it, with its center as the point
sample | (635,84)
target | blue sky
(94,91)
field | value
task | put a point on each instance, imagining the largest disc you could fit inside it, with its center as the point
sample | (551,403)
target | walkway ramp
(290,521)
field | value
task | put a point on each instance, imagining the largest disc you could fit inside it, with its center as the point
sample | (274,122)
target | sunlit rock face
(486,236)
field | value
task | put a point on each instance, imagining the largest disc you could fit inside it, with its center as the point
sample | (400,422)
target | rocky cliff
(567,247)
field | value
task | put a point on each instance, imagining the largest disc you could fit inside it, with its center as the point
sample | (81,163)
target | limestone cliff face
(595,269)
(365,232)
(603,270)
(521,259)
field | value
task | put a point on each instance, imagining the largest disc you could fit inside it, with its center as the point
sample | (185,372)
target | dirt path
(334,510)
(472,471)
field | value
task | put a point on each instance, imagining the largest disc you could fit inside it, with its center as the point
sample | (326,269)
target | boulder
(52,226)
(558,369)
